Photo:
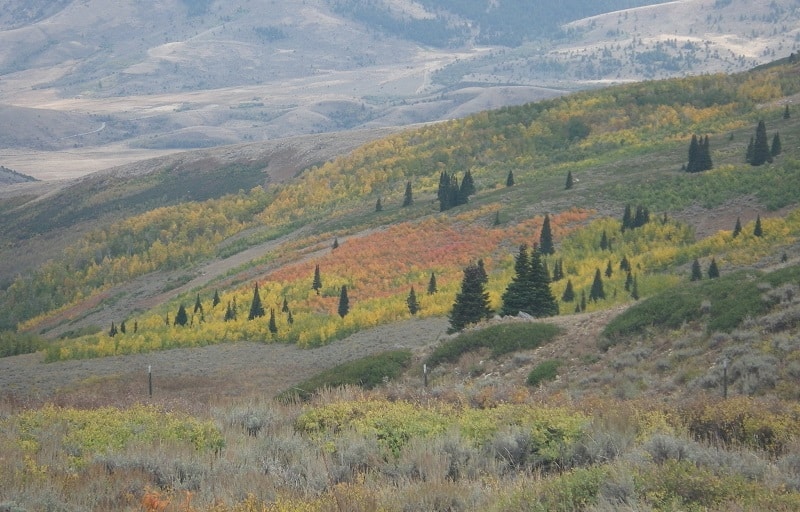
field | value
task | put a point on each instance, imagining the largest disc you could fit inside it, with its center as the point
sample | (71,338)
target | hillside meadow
(666,394)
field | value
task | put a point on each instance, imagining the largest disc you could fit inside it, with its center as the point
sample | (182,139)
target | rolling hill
(618,404)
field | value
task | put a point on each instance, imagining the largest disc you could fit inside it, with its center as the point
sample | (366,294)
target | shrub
(366,372)
(544,371)
(13,344)
(499,339)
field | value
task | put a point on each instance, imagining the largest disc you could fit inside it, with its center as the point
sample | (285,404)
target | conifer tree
(122,328)
(583,300)
(761,146)
(412,302)
(786,113)
(230,312)
(627,218)
(289,318)
(642,217)
(624,264)
(344,302)
(694,152)
(467,186)
(510,179)
(444,190)
(198,306)
(216,300)
(705,156)
(697,274)
(256,308)
(596,292)
(558,270)
(546,237)
(751,146)
(181,318)
(517,295)
(543,303)
(316,285)
(113,331)
(628,281)
(569,182)
(635,289)
(713,269)
(609,270)
(482,271)
(408,198)
(776,148)
(472,302)
(737,229)
(273,326)
(569,292)
(757,230)
(497,218)
(335,244)
(432,284)
(285,307)
(604,241)
(378,205)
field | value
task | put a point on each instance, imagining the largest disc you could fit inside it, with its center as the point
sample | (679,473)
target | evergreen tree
(344,302)
(583,300)
(517,295)
(256,308)
(558,270)
(642,217)
(609,270)
(113,331)
(122,328)
(694,155)
(751,146)
(230,313)
(624,264)
(737,229)
(408,198)
(776,148)
(635,289)
(628,281)
(316,285)
(497,218)
(482,271)
(510,179)
(216,300)
(546,237)
(543,303)
(378,205)
(713,270)
(757,230)
(335,243)
(627,218)
(285,307)
(596,292)
(786,113)
(697,274)
(705,156)
(444,190)
(135,326)
(273,327)
(198,306)
(569,182)
(432,284)
(569,293)
(472,302)
(290,318)
(761,146)
(412,302)
(181,318)
(604,241)
(467,186)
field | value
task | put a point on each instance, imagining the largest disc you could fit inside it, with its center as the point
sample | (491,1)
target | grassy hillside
(666,394)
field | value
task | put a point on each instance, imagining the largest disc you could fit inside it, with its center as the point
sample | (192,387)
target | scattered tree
(216,300)
(113,331)
(408,197)
(497,218)
(273,326)
(697,274)
(757,230)
(316,285)
(472,302)
(776,148)
(569,293)
(604,241)
(290,318)
(181,318)
(699,155)
(510,179)
(546,237)
(558,270)
(583,300)
(230,312)
(122,328)
(412,302)
(628,281)
(344,302)
(596,292)
(570,182)
(786,113)
(635,289)
(761,152)
(335,243)
(285,306)
(737,229)
(609,270)
(516,296)
(256,308)
(378,205)
(624,264)
(432,284)
(713,270)
(198,306)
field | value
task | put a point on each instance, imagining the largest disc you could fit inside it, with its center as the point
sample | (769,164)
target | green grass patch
(544,371)
(366,372)
(500,339)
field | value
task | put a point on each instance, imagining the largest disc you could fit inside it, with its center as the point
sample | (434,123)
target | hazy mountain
(130,79)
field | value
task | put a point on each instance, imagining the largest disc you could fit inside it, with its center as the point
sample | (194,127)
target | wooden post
(150,380)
